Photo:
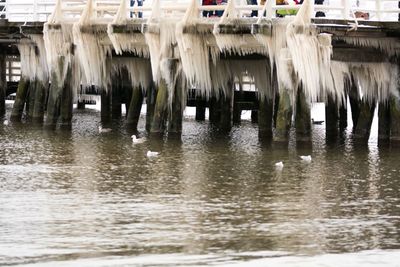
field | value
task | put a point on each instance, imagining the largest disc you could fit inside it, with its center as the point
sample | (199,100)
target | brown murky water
(82,198)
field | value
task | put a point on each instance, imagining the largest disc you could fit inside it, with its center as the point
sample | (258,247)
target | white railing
(39,10)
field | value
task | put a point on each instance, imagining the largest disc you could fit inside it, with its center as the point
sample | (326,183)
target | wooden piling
(39,104)
(354,97)
(237,111)
(105,106)
(364,121)
(176,116)
(151,95)
(66,103)
(81,104)
(54,100)
(303,117)
(135,107)
(226,103)
(283,118)
(265,117)
(394,120)
(331,119)
(384,122)
(20,99)
(3,83)
(214,109)
(30,105)
(343,115)
(116,89)
(160,116)
(200,113)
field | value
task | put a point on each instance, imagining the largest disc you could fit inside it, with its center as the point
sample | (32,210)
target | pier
(174,57)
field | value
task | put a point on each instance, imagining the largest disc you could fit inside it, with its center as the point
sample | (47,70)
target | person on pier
(140,3)
(208,3)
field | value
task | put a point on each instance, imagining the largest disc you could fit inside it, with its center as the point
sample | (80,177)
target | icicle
(139,70)
(91,51)
(128,42)
(233,43)
(194,52)
(386,45)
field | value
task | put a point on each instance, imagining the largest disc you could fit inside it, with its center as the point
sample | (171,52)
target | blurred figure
(254,13)
(220,12)
(319,13)
(140,3)
(208,3)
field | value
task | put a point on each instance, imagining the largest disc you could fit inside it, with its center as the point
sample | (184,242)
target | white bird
(5,122)
(279,165)
(104,130)
(152,154)
(306,158)
(136,140)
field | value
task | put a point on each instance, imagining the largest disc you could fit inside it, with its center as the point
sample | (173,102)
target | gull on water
(136,140)
(152,154)
(279,165)
(306,158)
(104,130)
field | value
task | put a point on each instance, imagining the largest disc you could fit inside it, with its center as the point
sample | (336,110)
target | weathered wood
(116,91)
(362,129)
(200,113)
(214,110)
(226,103)
(20,99)
(66,103)
(81,105)
(265,117)
(354,97)
(3,83)
(53,103)
(331,119)
(394,120)
(355,54)
(135,107)
(303,118)
(105,109)
(343,115)
(384,122)
(40,101)
(254,116)
(151,95)
(176,116)
(160,116)
(237,110)
(284,118)
(30,105)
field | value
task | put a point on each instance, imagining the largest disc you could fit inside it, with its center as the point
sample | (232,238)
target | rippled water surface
(81,198)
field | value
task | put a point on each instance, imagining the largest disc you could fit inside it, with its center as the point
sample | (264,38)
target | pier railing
(39,10)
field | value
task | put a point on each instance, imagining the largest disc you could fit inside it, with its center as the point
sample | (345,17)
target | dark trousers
(140,3)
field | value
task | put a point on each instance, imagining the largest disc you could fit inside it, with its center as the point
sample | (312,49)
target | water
(82,198)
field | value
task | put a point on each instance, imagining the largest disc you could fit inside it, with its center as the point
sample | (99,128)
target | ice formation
(127,42)
(92,49)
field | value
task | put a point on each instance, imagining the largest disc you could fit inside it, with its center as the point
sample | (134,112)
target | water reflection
(82,198)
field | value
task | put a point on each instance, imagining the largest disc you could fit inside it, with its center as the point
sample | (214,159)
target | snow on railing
(39,10)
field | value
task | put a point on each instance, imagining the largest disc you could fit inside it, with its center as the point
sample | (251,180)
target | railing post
(346,9)
(7,9)
(35,14)
(378,7)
